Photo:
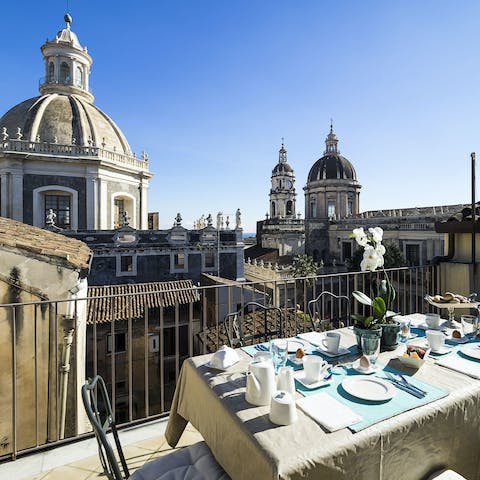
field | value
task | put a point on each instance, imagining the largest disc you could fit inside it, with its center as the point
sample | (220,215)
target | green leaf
(362,298)
(379,307)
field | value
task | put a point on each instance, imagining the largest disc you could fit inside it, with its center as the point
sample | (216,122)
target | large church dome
(66,120)
(332,166)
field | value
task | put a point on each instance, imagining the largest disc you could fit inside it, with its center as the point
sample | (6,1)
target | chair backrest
(317,306)
(244,328)
(99,411)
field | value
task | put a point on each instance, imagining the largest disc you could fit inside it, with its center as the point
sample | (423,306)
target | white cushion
(195,462)
(447,475)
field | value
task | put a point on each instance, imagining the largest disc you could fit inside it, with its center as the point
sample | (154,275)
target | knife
(405,388)
(406,382)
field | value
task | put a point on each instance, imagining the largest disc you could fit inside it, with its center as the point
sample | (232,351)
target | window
(209,259)
(346,251)
(123,204)
(79,77)
(412,254)
(313,208)
(61,206)
(179,261)
(289,207)
(65,73)
(120,343)
(51,72)
(126,263)
(349,207)
(273,210)
(331,209)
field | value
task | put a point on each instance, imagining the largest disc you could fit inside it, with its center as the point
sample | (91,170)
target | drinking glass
(404,330)
(371,347)
(469,324)
(279,350)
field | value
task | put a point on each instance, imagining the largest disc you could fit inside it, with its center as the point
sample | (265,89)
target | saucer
(300,378)
(297,361)
(365,371)
(341,351)
(442,350)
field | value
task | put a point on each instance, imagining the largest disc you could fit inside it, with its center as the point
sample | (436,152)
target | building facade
(60,152)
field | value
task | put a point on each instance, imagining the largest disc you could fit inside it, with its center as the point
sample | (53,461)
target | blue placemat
(374,412)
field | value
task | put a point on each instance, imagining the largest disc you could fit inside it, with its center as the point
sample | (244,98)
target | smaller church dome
(282,166)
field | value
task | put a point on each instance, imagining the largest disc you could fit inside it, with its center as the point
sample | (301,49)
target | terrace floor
(79,461)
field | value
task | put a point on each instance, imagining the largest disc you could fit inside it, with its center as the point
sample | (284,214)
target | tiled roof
(120,302)
(14,234)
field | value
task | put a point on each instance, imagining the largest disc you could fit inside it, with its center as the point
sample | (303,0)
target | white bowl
(414,362)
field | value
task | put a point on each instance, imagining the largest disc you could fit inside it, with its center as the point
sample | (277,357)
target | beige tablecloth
(407,446)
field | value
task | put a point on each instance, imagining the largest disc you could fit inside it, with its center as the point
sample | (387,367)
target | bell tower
(282,191)
(67,64)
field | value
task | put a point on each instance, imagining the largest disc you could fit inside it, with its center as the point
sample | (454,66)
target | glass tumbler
(469,324)
(371,347)
(279,350)
(404,330)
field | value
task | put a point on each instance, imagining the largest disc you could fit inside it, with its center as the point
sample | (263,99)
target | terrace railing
(46,353)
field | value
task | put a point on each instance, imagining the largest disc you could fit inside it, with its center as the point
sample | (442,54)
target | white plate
(472,350)
(341,351)
(300,377)
(462,339)
(366,371)
(295,360)
(294,345)
(369,388)
(442,350)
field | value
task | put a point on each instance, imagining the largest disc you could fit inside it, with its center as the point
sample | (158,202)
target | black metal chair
(316,308)
(242,327)
(195,461)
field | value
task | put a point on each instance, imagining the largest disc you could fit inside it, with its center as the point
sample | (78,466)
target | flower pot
(365,331)
(390,333)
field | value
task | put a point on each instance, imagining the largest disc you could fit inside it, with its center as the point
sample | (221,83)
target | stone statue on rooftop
(209,220)
(178,220)
(4,133)
(238,219)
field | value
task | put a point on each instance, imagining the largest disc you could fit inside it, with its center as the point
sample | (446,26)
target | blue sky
(208,88)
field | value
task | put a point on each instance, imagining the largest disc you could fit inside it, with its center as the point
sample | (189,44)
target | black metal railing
(49,348)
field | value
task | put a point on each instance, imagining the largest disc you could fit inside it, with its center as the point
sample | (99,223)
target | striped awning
(121,302)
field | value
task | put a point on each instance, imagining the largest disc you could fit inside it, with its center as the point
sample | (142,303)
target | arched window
(313,207)
(63,201)
(65,73)
(289,207)
(79,77)
(273,210)
(123,210)
(60,203)
(51,72)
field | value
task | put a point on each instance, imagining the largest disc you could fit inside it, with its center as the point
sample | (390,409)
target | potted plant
(380,320)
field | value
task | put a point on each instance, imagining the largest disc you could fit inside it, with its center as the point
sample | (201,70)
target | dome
(332,167)
(66,120)
(282,168)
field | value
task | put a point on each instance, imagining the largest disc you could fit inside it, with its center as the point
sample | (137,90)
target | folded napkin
(315,338)
(328,412)
(224,357)
(460,364)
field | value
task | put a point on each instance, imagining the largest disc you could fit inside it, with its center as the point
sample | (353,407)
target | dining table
(440,431)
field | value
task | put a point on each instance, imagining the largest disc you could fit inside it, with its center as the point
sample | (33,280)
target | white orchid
(377,234)
(360,236)
(380,249)
(371,259)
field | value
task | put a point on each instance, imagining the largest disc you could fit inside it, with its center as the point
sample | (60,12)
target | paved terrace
(80,461)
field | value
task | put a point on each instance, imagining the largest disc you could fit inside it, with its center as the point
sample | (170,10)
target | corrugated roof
(120,302)
(37,241)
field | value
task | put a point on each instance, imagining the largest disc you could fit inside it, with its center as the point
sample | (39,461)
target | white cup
(435,339)
(313,366)
(285,380)
(432,320)
(331,342)
(283,410)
